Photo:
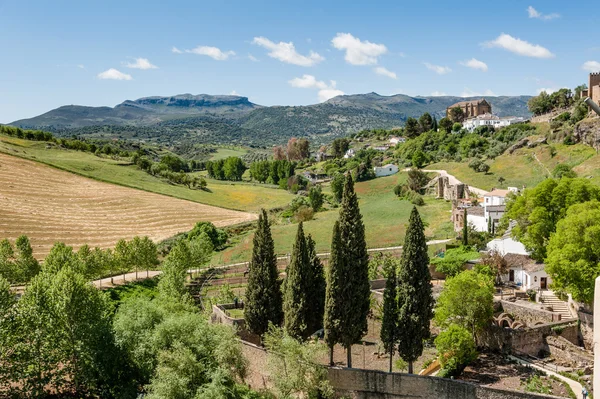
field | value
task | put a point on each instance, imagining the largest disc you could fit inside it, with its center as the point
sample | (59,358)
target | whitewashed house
(493,207)
(491,120)
(396,140)
(386,170)
(350,153)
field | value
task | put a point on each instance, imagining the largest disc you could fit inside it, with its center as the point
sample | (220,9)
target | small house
(386,170)
(526,273)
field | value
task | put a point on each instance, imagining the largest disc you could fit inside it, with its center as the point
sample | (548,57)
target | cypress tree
(415,300)
(434,125)
(356,293)
(333,293)
(318,286)
(389,321)
(465,230)
(263,293)
(296,293)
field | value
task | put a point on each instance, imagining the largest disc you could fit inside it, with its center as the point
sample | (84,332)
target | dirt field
(50,205)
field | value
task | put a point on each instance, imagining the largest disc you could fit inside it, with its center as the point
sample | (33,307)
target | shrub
(563,170)
(304,214)
(531,294)
(456,349)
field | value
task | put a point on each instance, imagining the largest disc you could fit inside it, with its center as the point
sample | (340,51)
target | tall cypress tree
(465,230)
(296,293)
(333,294)
(263,294)
(434,126)
(317,287)
(355,266)
(389,322)
(415,300)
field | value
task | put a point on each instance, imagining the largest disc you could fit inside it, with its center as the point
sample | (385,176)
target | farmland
(385,218)
(238,196)
(50,205)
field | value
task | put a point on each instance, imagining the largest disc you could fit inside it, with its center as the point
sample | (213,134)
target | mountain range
(235,120)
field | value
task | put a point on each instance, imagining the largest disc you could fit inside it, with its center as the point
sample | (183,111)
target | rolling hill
(235,120)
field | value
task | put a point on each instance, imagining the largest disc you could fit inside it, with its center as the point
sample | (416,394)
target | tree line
(230,168)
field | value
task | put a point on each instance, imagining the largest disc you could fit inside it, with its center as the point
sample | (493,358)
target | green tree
(263,294)
(389,323)
(297,287)
(218,237)
(171,286)
(466,300)
(563,170)
(415,300)
(339,147)
(426,122)
(434,125)
(454,260)
(446,125)
(573,259)
(411,128)
(456,115)
(456,349)
(201,250)
(465,228)
(334,301)
(315,196)
(419,159)
(316,304)
(26,264)
(355,266)
(337,186)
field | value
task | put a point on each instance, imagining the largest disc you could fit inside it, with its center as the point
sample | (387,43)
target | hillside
(234,120)
(76,210)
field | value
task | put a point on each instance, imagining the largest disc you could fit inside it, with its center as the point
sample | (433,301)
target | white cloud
(475,64)
(326,91)
(212,52)
(385,72)
(286,52)
(440,70)
(358,52)
(176,50)
(533,13)
(592,66)
(114,74)
(470,93)
(252,58)
(520,47)
(548,90)
(234,93)
(308,82)
(438,94)
(140,63)
(80,66)
(326,94)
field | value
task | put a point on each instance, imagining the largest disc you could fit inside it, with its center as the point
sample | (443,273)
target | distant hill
(233,119)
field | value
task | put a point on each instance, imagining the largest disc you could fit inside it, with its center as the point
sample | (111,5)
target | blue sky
(285,53)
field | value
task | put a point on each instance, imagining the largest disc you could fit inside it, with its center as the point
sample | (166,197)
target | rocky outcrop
(588,132)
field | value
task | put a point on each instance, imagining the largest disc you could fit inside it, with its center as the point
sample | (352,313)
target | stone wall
(528,314)
(370,384)
(569,355)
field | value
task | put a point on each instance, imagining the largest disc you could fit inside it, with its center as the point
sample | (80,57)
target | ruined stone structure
(471,108)
(593,90)
(450,192)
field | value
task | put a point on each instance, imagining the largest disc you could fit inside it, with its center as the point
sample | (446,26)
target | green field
(527,166)
(384,215)
(238,196)
(228,152)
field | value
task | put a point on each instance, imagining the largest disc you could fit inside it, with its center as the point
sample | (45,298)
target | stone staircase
(558,306)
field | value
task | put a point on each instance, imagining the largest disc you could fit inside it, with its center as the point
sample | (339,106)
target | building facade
(472,108)
(593,90)
(386,170)
(491,120)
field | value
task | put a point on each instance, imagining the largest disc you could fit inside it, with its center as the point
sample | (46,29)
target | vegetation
(263,305)
(389,320)
(456,349)
(415,299)
(454,260)
(231,168)
(20,266)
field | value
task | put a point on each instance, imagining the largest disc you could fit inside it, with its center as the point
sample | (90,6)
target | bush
(531,293)
(218,237)
(456,349)
(304,214)
(484,168)
(569,140)
(563,170)
(474,164)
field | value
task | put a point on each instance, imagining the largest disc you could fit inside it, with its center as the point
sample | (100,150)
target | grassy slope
(522,168)
(228,152)
(385,218)
(239,196)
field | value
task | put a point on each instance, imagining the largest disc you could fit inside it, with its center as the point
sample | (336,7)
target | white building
(491,120)
(386,170)
(493,207)
(396,140)
(349,154)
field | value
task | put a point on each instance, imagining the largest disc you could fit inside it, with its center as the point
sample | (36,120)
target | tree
(446,125)
(501,180)
(315,196)
(337,186)
(456,115)
(540,104)
(454,260)
(434,125)
(573,251)
(389,322)
(415,300)
(419,159)
(334,301)
(316,303)
(279,153)
(456,349)
(218,237)
(425,122)
(578,90)
(171,286)
(263,294)
(297,286)
(339,147)
(483,168)
(356,292)
(294,366)
(411,128)
(416,180)
(298,149)
(201,249)
(466,300)
(465,228)
(538,210)
(496,262)
(563,170)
